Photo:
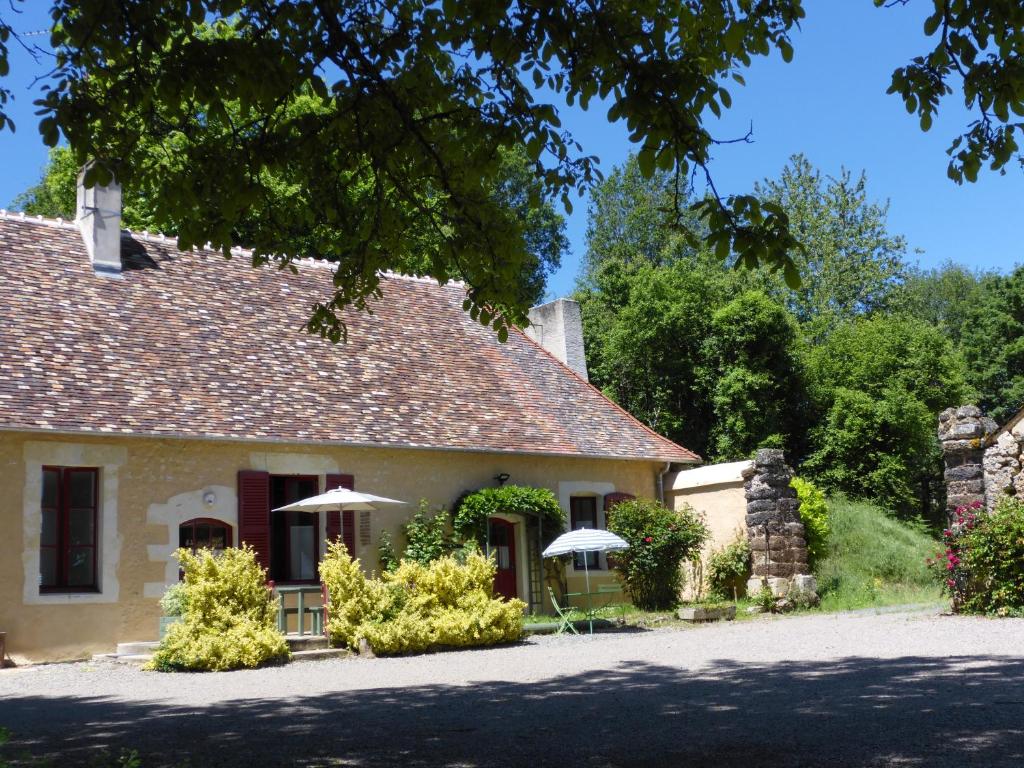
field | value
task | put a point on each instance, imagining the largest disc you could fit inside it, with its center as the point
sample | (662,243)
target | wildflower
(950,583)
(648,539)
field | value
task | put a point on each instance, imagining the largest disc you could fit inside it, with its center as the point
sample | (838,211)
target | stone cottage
(152,398)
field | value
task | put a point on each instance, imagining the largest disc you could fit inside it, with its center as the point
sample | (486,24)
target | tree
(992,340)
(849,264)
(386,121)
(516,189)
(877,386)
(385,118)
(632,219)
(644,330)
(942,297)
(755,380)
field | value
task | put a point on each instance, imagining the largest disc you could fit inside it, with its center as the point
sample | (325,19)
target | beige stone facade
(716,493)
(149,486)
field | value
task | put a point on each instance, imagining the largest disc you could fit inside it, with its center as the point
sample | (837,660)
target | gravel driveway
(906,689)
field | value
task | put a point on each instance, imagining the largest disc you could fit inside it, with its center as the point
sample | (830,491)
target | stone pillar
(776,535)
(963,433)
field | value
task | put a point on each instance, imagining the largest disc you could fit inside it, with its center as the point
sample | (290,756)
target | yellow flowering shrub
(417,607)
(229,618)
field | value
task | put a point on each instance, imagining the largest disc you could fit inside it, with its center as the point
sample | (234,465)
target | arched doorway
(502,540)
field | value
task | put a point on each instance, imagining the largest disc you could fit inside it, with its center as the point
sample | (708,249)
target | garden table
(300,590)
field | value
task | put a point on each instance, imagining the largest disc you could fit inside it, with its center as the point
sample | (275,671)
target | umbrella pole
(590,609)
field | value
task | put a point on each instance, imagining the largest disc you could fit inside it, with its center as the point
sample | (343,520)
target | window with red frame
(294,536)
(204,533)
(67,541)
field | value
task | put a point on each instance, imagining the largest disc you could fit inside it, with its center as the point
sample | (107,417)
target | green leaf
(792,276)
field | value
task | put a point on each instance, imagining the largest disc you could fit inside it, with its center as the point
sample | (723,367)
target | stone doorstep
(319,654)
(302,647)
(298,643)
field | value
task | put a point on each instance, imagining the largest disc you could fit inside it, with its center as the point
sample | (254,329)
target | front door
(503,547)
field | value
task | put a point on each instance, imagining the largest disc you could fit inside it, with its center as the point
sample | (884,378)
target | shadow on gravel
(961,711)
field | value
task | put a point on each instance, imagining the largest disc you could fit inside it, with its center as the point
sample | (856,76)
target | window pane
(47,567)
(185,536)
(218,537)
(202,535)
(82,526)
(82,490)
(48,535)
(80,573)
(51,481)
(303,553)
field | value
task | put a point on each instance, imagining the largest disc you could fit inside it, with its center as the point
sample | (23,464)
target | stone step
(136,648)
(134,658)
(305,642)
(321,653)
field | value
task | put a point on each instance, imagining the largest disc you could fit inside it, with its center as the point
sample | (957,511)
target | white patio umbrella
(339,499)
(586,540)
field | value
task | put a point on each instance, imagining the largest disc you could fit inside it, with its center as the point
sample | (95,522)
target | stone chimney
(98,216)
(558,327)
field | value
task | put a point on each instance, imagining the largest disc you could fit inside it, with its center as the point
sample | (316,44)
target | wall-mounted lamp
(502,477)
(209,498)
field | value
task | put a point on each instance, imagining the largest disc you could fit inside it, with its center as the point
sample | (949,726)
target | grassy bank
(873,560)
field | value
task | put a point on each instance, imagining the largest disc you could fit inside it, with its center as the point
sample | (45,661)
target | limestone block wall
(963,434)
(774,530)
(1003,464)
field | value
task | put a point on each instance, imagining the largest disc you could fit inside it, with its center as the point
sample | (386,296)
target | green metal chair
(564,615)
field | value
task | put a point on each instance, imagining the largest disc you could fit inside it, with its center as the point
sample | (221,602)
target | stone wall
(1002,465)
(776,535)
(963,434)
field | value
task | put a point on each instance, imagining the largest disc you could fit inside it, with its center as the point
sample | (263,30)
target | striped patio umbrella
(586,540)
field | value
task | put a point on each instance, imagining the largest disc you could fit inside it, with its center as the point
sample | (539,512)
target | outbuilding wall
(149,486)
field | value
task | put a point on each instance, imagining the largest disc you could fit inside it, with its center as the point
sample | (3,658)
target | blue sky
(829,103)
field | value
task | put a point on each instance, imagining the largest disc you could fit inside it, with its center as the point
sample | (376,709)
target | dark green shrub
(473,510)
(729,568)
(386,555)
(427,536)
(660,541)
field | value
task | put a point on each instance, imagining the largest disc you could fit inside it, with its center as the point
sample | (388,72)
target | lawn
(873,560)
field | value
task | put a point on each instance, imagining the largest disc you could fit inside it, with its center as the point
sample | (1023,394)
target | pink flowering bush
(981,564)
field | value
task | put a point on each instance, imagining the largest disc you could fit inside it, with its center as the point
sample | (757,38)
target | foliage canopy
(369,134)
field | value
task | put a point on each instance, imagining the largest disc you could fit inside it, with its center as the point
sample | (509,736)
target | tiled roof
(189,344)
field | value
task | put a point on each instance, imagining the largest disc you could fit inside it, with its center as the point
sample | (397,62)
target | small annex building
(152,398)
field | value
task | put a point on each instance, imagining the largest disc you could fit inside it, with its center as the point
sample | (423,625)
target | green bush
(386,555)
(417,606)
(426,535)
(473,510)
(729,568)
(982,566)
(814,516)
(173,601)
(660,541)
(229,615)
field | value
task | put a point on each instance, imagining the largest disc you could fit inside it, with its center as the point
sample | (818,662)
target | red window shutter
(611,499)
(336,527)
(254,513)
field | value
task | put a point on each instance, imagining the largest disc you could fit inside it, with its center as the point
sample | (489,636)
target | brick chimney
(558,327)
(98,216)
